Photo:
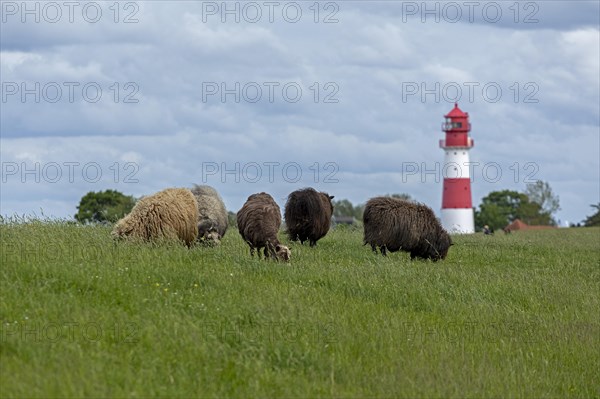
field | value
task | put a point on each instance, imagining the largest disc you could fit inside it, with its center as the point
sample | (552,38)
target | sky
(344,96)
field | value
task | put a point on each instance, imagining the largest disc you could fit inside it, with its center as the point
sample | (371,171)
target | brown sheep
(258,223)
(308,215)
(171,214)
(393,224)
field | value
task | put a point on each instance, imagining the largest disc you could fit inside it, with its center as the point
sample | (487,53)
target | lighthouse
(457,207)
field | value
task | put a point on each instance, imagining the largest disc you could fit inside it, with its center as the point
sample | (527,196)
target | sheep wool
(308,215)
(212,214)
(170,214)
(258,223)
(393,224)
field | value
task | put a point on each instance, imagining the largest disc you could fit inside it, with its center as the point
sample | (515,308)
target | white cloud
(581,47)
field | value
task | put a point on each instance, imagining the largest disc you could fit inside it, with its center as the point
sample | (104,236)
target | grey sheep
(258,223)
(212,214)
(391,224)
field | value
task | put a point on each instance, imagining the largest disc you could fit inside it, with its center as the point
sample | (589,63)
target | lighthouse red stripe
(457,139)
(457,193)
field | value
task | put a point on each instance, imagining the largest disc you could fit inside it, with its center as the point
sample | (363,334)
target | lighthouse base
(458,220)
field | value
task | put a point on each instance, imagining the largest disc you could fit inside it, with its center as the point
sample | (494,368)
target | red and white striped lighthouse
(457,207)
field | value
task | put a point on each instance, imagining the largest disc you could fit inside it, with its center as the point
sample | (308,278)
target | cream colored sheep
(171,214)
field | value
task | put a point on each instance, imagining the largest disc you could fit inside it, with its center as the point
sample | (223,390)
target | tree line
(537,205)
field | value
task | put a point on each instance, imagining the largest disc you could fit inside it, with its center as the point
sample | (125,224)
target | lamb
(393,224)
(258,223)
(308,215)
(212,215)
(170,214)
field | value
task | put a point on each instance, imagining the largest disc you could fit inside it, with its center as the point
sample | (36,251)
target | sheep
(171,214)
(308,215)
(258,223)
(393,224)
(212,220)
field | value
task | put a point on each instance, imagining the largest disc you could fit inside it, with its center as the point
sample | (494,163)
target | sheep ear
(331,197)
(278,248)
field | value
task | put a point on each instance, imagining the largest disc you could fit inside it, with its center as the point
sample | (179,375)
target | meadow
(503,316)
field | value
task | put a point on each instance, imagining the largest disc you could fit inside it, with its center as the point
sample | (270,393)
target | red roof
(520,225)
(456,113)
(516,225)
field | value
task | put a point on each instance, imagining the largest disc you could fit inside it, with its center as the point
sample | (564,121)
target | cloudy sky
(345,96)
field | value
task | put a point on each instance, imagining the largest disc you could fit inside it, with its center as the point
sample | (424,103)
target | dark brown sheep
(258,222)
(308,215)
(392,224)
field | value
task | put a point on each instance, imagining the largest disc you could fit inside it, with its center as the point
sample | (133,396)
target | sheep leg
(270,251)
(373,248)
(313,243)
(383,250)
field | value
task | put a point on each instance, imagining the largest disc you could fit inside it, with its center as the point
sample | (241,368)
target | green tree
(232,218)
(500,208)
(358,211)
(343,208)
(491,214)
(532,213)
(541,193)
(593,220)
(103,206)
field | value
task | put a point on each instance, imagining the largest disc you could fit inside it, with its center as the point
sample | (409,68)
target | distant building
(349,220)
(518,224)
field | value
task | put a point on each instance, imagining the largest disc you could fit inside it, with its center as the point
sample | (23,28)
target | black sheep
(391,224)
(308,215)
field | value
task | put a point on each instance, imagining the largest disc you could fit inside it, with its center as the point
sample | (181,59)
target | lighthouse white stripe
(458,220)
(456,164)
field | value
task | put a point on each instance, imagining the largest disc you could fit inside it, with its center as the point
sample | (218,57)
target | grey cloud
(526,15)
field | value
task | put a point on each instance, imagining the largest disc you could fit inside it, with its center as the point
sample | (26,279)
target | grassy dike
(510,316)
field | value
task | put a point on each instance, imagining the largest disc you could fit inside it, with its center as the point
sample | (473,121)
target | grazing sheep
(393,224)
(171,214)
(258,222)
(212,215)
(308,215)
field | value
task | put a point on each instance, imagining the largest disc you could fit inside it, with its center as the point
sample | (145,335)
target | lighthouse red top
(456,113)
(457,129)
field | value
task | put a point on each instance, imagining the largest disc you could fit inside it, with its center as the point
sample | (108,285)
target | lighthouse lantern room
(457,207)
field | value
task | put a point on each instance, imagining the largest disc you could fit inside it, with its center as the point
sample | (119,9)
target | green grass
(502,316)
